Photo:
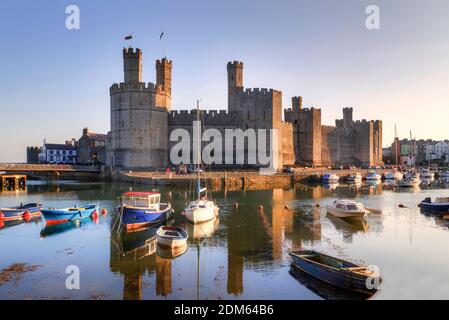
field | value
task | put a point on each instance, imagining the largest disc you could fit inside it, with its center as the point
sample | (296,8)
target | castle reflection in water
(253,238)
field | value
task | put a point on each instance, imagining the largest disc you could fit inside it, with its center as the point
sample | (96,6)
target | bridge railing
(46,167)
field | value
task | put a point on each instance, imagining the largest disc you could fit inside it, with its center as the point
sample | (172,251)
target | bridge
(46,168)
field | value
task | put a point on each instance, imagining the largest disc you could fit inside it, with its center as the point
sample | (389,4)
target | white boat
(356,177)
(396,175)
(347,209)
(427,174)
(201,209)
(409,183)
(444,174)
(171,237)
(373,175)
(330,178)
(412,175)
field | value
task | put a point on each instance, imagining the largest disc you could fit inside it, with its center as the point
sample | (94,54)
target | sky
(55,81)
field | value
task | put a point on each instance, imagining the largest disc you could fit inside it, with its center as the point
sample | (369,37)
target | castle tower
(347,117)
(163,73)
(297,104)
(235,83)
(163,84)
(132,65)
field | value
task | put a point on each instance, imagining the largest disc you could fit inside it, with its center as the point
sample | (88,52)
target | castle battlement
(131,52)
(261,91)
(136,86)
(235,64)
(210,117)
(164,61)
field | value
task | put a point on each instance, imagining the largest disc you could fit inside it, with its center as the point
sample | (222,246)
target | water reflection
(55,229)
(322,289)
(348,227)
(246,249)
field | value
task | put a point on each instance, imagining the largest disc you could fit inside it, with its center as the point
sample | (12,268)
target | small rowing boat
(23,212)
(171,237)
(337,272)
(55,216)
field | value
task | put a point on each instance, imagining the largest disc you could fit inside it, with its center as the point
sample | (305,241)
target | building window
(51,158)
(63,152)
(51,151)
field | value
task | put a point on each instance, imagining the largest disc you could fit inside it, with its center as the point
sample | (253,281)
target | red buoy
(94,215)
(26,216)
(104,211)
(2,216)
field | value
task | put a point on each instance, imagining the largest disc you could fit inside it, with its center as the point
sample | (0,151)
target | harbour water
(241,255)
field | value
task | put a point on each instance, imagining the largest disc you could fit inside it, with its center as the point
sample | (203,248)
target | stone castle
(142,121)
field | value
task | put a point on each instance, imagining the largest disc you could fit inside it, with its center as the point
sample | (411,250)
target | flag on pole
(128,37)
(162,34)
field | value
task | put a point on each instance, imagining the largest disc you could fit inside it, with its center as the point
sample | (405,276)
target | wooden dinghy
(171,237)
(335,271)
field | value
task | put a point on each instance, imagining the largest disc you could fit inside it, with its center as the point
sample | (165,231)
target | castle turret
(296,104)
(163,73)
(132,65)
(235,83)
(347,117)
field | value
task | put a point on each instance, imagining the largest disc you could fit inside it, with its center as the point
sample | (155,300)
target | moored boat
(396,175)
(330,178)
(355,177)
(347,209)
(23,212)
(337,272)
(444,174)
(171,237)
(440,206)
(55,216)
(373,176)
(142,209)
(409,183)
(201,209)
(427,174)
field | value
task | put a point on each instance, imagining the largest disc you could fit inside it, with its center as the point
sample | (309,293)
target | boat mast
(396,143)
(198,150)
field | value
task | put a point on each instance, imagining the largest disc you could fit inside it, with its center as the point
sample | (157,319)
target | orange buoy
(104,211)
(26,216)
(2,216)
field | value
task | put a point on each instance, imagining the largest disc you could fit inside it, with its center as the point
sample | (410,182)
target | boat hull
(171,237)
(200,215)
(356,215)
(138,218)
(333,275)
(434,208)
(56,216)
(24,212)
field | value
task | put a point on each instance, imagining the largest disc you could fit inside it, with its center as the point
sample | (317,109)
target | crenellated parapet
(137,86)
(261,92)
(209,117)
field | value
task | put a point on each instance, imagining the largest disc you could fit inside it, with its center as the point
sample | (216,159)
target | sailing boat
(396,175)
(201,209)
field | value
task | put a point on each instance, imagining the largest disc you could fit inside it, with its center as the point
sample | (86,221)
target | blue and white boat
(22,212)
(439,207)
(330,178)
(55,216)
(142,209)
